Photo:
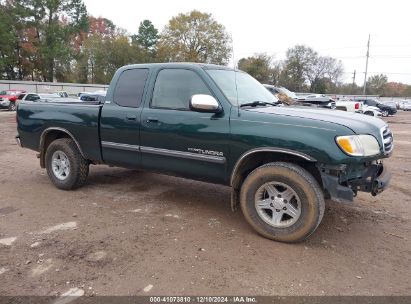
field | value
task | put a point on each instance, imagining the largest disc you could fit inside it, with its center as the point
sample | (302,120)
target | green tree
(297,65)
(259,66)
(12,36)
(56,23)
(376,84)
(104,49)
(195,37)
(147,36)
(145,42)
(303,68)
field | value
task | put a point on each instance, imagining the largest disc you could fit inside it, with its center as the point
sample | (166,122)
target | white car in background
(349,106)
(371,111)
(404,105)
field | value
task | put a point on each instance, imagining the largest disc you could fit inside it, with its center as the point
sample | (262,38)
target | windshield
(4,93)
(241,88)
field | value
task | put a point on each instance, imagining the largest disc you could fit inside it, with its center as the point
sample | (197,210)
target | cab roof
(205,66)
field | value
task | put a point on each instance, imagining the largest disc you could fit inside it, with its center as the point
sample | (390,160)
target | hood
(358,123)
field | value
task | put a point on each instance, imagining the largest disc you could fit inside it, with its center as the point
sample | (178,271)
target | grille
(387,139)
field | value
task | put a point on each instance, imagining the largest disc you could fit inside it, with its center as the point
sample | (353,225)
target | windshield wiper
(258,103)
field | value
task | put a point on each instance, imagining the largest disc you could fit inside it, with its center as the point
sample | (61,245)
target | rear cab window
(130,88)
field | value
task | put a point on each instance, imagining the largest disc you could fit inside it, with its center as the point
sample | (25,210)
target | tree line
(304,70)
(57,40)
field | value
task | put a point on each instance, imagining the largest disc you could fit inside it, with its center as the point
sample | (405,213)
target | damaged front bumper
(342,183)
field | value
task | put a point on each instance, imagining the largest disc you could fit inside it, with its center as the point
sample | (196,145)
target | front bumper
(374,179)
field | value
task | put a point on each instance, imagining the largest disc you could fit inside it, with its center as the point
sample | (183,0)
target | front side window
(175,87)
(240,88)
(130,87)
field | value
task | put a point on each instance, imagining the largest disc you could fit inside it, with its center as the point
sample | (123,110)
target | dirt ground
(134,233)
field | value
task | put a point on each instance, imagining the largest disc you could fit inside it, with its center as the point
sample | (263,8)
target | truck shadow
(198,201)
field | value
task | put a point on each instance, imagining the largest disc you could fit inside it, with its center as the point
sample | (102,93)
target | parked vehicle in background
(220,125)
(385,109)
(101,93)
(319,101)
(349,106)
(391,104)
(405,105)
(63,94)
(92,97)
(283,95)
(371,111)
(8,99)
(311,96)
(280,90)
(37,96)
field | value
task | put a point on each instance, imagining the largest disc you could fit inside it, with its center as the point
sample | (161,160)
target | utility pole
(353,77)
(366,65)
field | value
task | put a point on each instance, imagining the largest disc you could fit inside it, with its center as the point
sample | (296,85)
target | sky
(333,28)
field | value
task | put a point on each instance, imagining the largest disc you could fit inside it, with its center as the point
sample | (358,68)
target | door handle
(131,117)
(152,119)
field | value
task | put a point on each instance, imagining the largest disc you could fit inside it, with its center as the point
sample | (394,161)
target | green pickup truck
(215,124)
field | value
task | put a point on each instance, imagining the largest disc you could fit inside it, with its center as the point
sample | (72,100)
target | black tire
(385,113)
(12,106)
(79,167)
(303,184)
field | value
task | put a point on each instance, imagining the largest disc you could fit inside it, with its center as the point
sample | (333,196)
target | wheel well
(258,159)
(47,138)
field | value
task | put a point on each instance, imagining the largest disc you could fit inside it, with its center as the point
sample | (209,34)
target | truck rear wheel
(282,202)
(65,165)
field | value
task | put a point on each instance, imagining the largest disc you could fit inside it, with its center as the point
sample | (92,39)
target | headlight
(359,145)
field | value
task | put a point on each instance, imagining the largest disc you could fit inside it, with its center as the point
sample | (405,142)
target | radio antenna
(235,77)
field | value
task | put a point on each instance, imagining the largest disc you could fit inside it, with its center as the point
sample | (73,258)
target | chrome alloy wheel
(277,204)
(60,165)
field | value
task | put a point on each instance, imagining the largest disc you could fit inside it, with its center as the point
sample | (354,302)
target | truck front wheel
(65,165)
(282,202)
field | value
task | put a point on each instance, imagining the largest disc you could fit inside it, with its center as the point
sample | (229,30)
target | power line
(391,56)
(387,73)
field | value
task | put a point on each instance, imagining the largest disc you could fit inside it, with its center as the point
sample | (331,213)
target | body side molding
(114,145)
(165,152)
(187,155)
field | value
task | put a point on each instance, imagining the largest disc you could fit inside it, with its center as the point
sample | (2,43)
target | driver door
(180,141)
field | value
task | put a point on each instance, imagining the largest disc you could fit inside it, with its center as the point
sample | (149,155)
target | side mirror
(204,103)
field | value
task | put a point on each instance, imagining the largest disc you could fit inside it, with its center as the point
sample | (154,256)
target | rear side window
(130,88)
(174,88)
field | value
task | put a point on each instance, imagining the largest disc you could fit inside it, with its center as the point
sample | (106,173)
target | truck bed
(81,119)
